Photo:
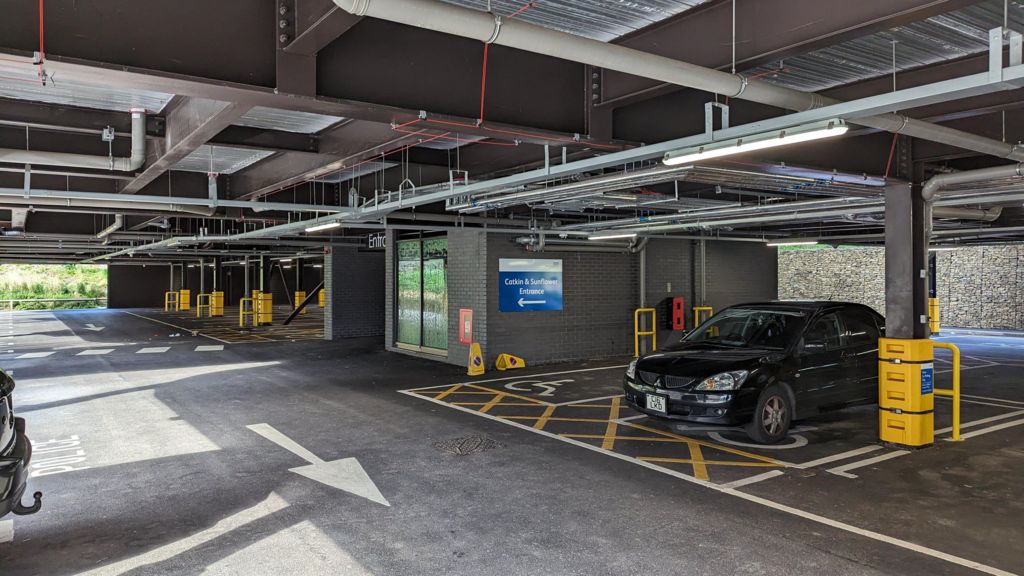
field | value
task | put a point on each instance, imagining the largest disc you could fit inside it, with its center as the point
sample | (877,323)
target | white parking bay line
(35,355)
(753,479)
(210,348)
(95,352)
(6,531)
(835,457)
(845,468)
(154,350)
(991,429)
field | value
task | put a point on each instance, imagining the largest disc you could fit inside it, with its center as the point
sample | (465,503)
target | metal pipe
(936,184)
(130,164)
(514,33)
(118,223)
(981,214)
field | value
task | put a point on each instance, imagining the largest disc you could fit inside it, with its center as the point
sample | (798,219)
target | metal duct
(936,184)
(130,164)
(980,214)
(490,29)
(109,206)
(118,223)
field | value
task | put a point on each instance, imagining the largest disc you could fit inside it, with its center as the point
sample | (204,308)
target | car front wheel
(772,416)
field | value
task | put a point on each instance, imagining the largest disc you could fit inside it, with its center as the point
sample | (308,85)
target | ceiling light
(285,260)
(318,265)
(320,227)
(793,243)
(942,248)
(805,133)
(611,235)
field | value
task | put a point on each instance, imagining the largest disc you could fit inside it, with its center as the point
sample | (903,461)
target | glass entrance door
(423,294)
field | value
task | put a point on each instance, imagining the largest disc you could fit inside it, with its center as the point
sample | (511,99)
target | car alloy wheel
(773,417)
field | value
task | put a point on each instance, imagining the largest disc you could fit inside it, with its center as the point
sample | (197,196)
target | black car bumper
(14,472)
(728,409)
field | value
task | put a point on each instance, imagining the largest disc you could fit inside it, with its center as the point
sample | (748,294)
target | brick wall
(467,288)
(978,287)
(137,286)
(354,282)
(670,273)
(740,272)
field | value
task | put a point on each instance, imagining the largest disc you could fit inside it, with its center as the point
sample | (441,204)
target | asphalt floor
(160,452)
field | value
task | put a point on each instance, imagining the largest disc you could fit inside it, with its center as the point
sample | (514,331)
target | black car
(763,366)
(15,454)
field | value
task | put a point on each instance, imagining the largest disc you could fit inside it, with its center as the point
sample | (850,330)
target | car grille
(664,381)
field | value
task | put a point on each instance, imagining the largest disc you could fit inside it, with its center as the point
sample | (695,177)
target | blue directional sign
(529,285)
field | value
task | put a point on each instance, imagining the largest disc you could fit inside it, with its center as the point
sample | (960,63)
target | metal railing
(637,332)
(11,304)
(953,392)
(698,310)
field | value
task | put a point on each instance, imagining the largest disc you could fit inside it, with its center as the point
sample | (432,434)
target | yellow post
(217,304)
(697,310)
(321,298)
(244,311)
(953,393)
(204,302)
(906,399)
(170,301)
(637,332)
(184,299)
(300,296)
(933,315)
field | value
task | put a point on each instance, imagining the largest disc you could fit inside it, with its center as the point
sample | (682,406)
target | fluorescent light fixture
(284,260)
(805,133)
(942,248)
(611,235)
(320,227)
(793,243)
(318,265)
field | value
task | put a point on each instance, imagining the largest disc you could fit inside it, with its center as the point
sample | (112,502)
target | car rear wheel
(772,416)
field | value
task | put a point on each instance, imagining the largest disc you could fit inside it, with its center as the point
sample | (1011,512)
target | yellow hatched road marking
(554,419)
(485,403)
(613,426)
(494,402)
(448,391)
(712,462)
(700,469)
(509,394)
(757,457)
(543,420)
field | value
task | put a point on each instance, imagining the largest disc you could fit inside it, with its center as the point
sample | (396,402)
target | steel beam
(190,124)
(765,32)
(317,23)
(906,253)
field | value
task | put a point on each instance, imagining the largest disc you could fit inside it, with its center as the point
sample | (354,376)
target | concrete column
(217,273)
(906,256)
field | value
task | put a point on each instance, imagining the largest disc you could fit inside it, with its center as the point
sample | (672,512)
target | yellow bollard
(933,315)
(170,301)
(906,398)
(321,298)
(300,296)
(265,309)
(217,304)
(184,299)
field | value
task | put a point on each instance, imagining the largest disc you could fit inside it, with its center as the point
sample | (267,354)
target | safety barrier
(637,333)
(321,298)
(697,310)
(204,302)
(171,302)
(933,315)
(265,309)
(217,303)
(953,392)
(300,297)
(184,299)
(244,311)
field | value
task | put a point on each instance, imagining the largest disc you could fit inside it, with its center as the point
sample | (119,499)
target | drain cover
(467,445)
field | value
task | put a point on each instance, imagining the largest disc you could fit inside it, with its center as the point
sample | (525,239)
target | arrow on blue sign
(527,302)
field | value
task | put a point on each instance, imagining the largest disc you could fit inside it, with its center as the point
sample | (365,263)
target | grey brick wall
(978,287)
(670,273)
(600,292)
(740,272)
(389,288)
(355,285)
(467,288)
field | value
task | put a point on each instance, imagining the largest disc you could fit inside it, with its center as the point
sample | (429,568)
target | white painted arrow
(525,302)
(93,327)
(345,474)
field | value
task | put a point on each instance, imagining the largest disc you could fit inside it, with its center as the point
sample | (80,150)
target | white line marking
(623,366)
(753,479)
(95,352)
(992,429)
(210,348)
(992,399)
(272,434)
(1009,406)
(153,350)
(842,470)
(974,423)
(190,331)
(733,492)
(836,457)
(7,531)
(35,355)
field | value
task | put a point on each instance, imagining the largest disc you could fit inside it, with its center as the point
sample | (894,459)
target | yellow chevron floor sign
(508,362)
(476,360)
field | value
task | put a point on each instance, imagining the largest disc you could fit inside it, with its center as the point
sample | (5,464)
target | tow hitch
(22,510)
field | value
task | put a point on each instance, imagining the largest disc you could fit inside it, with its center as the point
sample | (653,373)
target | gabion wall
(979,287)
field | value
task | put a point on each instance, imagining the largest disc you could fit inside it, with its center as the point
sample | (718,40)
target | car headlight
(724,381)
(631,370)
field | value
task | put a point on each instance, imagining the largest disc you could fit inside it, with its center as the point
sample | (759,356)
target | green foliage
(42,281)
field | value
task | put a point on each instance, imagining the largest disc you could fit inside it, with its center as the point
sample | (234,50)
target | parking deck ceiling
(296,133)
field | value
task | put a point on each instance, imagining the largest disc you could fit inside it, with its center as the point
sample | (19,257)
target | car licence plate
(656,403)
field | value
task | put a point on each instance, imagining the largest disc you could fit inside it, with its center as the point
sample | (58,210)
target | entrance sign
(526,285)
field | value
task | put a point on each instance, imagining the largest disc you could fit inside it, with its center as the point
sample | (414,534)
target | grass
(44,281)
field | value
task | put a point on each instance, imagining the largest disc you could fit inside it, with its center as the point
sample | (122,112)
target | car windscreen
(750,328)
